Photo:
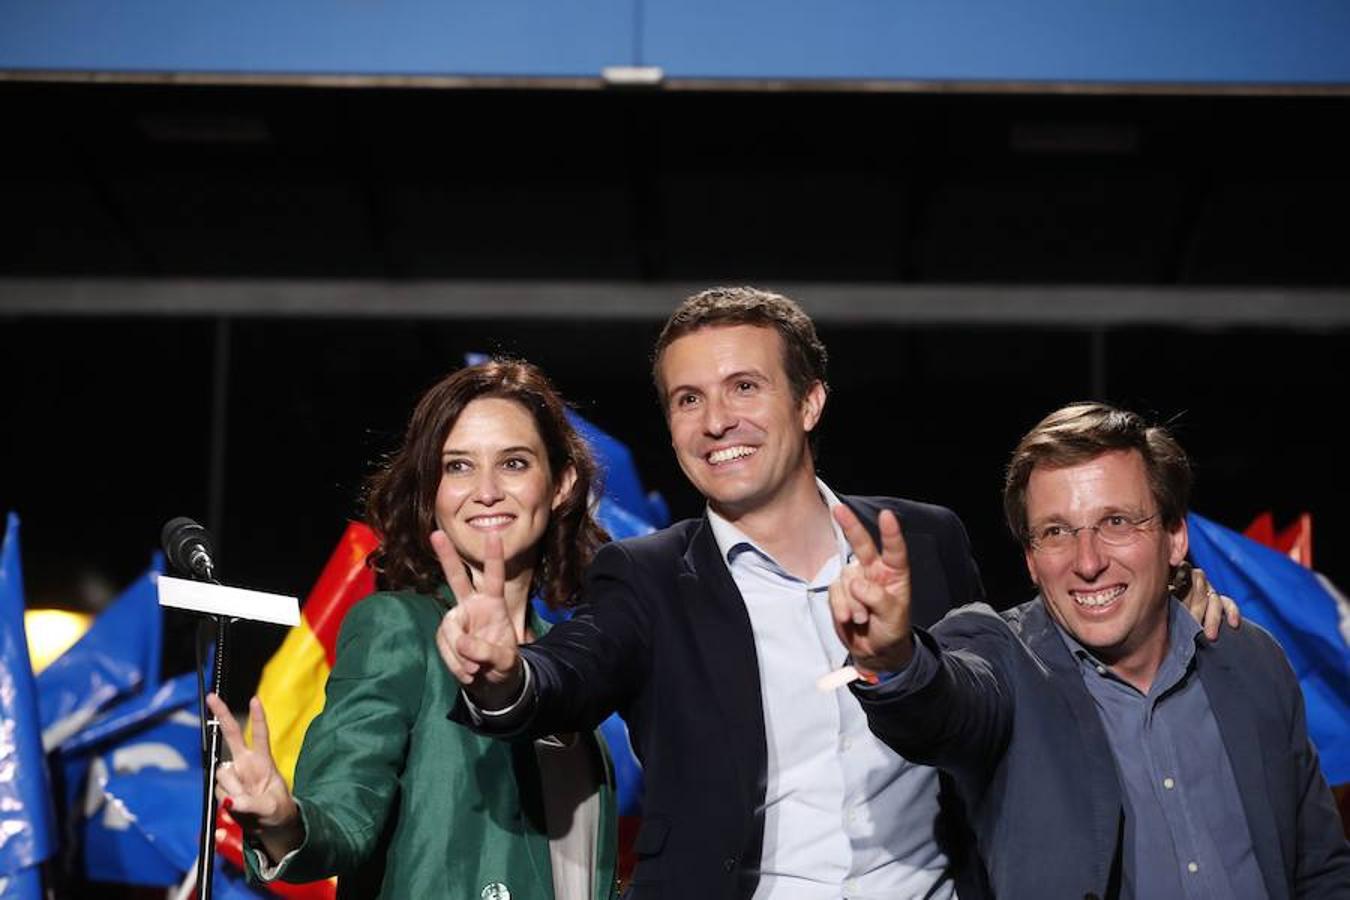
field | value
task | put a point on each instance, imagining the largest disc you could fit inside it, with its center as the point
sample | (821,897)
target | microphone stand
(187,546)
(211,741)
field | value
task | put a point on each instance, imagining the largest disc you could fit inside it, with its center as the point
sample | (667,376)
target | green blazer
(399,801)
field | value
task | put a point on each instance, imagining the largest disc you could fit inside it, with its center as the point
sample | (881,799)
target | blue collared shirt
(1186,834)
(844,817)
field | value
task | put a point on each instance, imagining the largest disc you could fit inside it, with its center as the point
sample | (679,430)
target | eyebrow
(741,375)
(1113,510)
(520,448)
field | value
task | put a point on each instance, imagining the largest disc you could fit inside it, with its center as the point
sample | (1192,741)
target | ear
(1179,542)
(566,482)
(813,404)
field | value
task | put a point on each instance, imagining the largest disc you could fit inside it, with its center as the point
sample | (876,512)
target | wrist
(890,662)
(281,839)
(502,697)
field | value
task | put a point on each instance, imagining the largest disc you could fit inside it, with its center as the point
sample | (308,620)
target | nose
(1088,560)
(487,487)
(718,418)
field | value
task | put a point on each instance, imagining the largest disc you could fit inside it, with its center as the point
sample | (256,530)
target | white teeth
(727,454)
(1098,598)
(490,521)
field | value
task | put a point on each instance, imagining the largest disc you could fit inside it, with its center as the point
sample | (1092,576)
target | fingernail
(227,804)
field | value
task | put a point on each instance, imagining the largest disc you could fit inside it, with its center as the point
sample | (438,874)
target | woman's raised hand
(249,785)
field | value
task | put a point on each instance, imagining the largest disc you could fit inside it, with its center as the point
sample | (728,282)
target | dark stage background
(263,418)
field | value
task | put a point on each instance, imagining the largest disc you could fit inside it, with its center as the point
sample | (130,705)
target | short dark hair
(1079,432)
(804,356)
(401,495)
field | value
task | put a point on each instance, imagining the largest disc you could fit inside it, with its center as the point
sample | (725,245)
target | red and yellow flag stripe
(291,689)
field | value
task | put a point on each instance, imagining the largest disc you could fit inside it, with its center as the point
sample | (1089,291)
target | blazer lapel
(1040,634)
(1242,743)
(724,644)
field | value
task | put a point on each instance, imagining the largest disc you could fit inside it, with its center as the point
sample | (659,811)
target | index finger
(863,549)
(494,567)
(894,550)
(451,565)
(229,728)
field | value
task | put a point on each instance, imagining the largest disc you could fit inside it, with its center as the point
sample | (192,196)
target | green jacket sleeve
(354,752)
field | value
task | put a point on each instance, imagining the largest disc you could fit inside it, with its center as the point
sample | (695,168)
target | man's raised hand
(477,639)
(870,599)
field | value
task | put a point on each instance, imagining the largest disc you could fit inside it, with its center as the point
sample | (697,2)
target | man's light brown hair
(804,356)
(1079,432)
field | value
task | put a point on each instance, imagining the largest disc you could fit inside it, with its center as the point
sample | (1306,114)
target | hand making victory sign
(870,599)
(477,639)
(251,788)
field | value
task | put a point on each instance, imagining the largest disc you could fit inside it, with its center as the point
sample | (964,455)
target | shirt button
(729,863)
(1101,670)
(850,885)
(1192,867)
(1169,783)
(846,744)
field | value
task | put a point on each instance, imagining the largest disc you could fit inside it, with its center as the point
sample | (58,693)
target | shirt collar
(1182,632)
(732,542)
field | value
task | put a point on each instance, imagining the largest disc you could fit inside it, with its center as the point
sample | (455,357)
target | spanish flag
(291,689)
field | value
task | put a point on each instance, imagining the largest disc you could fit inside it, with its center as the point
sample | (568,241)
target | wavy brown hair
(401,495)
(1083,431)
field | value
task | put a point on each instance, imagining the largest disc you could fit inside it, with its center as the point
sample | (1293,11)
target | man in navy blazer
(1104,747)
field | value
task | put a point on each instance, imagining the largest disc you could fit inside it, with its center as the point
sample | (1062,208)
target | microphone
(188,548)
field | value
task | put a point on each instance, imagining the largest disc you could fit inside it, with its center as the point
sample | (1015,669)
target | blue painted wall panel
(561,38)
(1297,41)
(1271,41)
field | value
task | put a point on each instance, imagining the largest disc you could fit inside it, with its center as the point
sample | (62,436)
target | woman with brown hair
(390,795)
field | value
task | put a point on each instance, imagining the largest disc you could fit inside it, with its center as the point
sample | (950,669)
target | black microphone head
(179,538)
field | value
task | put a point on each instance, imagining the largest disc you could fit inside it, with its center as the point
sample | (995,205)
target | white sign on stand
(236,603)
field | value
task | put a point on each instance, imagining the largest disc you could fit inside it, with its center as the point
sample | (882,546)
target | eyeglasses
(1115,530)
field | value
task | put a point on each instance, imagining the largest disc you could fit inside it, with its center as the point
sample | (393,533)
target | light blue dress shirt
(845,817)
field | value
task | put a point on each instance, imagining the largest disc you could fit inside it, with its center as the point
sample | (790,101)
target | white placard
(236,603)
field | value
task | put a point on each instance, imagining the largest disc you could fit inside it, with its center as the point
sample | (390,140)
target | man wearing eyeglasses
(1104,747)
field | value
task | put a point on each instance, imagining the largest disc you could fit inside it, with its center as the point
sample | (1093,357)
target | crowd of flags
(101,762)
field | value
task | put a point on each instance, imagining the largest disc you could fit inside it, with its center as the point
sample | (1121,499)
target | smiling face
(495,478)
(738,433)
(1113,600)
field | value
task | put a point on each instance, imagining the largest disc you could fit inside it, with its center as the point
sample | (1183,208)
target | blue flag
(116,772)
(27,835)
(622,484)
(1301,609)
(119,655)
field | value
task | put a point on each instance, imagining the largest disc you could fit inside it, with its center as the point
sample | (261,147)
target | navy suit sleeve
(594,664)
(587,667)
(960,718)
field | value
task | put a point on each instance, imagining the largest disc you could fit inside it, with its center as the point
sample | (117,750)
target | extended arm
(580,672)
(933,706)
